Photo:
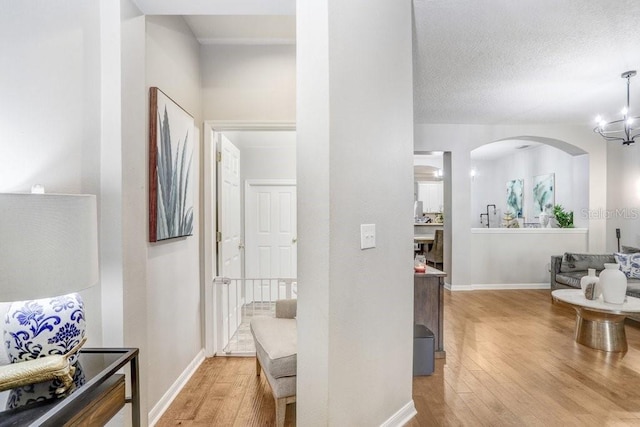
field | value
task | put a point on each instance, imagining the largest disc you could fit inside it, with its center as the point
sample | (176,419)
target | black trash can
(423,351)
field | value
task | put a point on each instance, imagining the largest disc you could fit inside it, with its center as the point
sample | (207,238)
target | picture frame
(543,193)
(171,133)
(514,197)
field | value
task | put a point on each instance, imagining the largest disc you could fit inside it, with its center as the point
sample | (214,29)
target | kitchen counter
(431,272)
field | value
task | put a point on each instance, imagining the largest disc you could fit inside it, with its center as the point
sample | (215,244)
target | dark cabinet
(428,304)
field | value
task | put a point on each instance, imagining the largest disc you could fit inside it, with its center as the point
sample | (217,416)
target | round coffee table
(599,325)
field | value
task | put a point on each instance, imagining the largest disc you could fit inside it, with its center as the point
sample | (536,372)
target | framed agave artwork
(170,168)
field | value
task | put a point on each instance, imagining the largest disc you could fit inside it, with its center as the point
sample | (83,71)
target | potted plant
(563,218)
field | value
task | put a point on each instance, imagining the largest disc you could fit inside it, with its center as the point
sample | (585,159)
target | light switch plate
(367,236)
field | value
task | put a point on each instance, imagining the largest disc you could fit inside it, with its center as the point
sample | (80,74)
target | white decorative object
(613,283)
(544,219)
(591,279)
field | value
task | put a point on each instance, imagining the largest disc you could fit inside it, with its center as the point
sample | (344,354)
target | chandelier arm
(606,133)
(612,138)
(621,130)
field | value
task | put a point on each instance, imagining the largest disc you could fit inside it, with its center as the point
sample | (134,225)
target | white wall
(111,175)
(265,154)
(354,353)
(468,137)
(173,295)
(133,191)
(246,82)
(50,117)
(520,258)
(623,195)
(571,181)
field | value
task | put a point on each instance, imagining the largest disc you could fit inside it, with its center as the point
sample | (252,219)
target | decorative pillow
(629,264)
(629,249)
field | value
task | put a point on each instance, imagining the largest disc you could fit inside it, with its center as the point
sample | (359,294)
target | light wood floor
(511,361)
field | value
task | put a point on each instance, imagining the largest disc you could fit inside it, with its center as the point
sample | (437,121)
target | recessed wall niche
(497,164)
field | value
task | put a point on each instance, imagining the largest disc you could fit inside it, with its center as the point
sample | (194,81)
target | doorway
(265,155)
(270,238)
(432,208)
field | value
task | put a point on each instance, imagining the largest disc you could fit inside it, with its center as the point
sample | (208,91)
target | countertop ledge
(529,230)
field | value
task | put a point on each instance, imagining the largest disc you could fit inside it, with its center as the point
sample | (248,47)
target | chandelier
(620,130)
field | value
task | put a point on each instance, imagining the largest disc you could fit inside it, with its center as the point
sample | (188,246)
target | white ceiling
(245,29)
(524,61)
(499,149)
(257,138)
(217,7)
(484,62)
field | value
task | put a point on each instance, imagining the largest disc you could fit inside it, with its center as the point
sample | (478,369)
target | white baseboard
(236,354)
(156,412)
(402,417)
(497,286)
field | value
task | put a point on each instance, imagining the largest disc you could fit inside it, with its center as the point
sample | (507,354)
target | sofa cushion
(571,279)
(629,250)
(276,345)
(633,287)
(581,262)
(629,264)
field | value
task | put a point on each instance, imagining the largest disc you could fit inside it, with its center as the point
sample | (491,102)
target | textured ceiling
(524,61)
(485,62)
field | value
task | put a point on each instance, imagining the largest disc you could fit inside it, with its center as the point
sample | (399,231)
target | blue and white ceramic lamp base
(43,327)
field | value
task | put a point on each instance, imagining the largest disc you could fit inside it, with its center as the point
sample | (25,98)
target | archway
(525,175)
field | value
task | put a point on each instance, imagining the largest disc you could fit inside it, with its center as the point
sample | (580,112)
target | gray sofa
(568,269)
(277,353)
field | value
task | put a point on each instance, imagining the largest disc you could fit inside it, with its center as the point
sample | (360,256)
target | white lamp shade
(48,245)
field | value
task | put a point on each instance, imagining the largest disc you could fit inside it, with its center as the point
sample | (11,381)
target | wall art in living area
(514,197)
(170,168)
(543,193)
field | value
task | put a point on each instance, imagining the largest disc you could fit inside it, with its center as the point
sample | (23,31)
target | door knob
(294,240)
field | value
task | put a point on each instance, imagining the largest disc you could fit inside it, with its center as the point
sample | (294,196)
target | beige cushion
(276,345)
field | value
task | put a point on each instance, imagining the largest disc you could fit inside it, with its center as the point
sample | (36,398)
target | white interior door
(271,237)
(229,237)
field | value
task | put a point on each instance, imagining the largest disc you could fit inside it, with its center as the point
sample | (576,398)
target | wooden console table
(428,304)
(98,395)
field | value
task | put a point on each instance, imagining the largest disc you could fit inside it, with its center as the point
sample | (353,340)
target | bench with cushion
(276,353)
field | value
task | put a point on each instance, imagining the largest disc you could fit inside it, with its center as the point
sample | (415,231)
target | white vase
(591,278)
(613,283)
(544,219)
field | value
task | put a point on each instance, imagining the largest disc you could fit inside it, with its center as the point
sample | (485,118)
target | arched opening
(515,183)
(522,177)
